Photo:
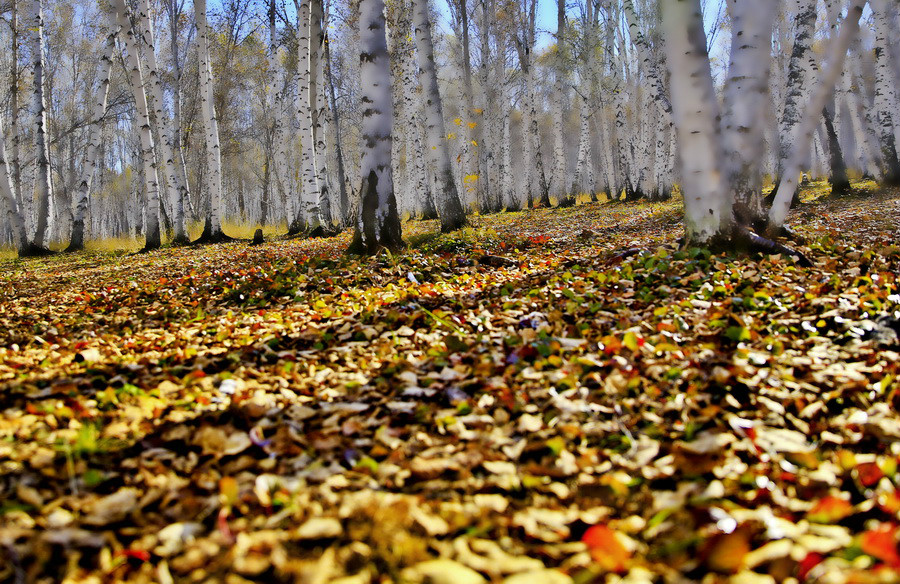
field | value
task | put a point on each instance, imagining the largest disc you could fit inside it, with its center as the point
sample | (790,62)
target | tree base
(743,239)
(567,202)
(181,241)
(208,237)
(35,251)
(319,232)
(451,226)
(357,247)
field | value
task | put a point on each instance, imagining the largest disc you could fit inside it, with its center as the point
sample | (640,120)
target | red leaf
(881,543)
(606,549)
(869,474)
(811,560)
(142,555)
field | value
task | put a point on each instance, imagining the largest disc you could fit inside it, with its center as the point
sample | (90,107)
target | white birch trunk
(317,108)
(309,214)
(119,18)
(213,229)
(797,82)
(176,186)
(80,200)
(378,224)
(887,108)
(43,184)
(561,185)
(836,52)
(449,206)
(707,196)
(649,63)
(746,101)
(582,164)
(510,200)
(13,212)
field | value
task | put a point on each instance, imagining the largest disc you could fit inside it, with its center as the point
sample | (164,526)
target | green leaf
(738,333)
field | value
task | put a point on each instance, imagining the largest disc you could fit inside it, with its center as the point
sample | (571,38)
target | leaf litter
(552,396)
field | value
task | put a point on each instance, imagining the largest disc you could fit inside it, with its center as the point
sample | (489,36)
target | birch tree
(176,185)
(212,230)
(798,78)
(563,189)
(377,222)
(309,213)
(120,19)
(82,190)
(708,198)
(43,183)
(746,95)
(14,214)
(887,107)
(834,62)
(443,186)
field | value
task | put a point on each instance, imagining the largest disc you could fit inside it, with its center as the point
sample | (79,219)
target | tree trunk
(335,123)
(745,104)
(212,231)
(378,224)
(309,215)
(449,207)
(887,109)
(176,186)
(563,189)
(707,196)
(80,201)
(318,112)
(39,116)
(840,183)
(119,18)
(797,80)
(13,211)
(836,52)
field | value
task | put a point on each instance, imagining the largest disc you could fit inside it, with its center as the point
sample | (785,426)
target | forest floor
(284,413)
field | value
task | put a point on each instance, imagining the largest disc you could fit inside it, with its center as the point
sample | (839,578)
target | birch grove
(184,121)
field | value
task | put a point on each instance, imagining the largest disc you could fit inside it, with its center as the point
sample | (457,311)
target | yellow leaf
(457,121)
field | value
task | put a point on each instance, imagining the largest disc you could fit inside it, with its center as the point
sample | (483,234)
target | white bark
(448,202)
(309,193)
(80,200)
(210,123)
(647,60)
(378,224)
(43,183)
(746,101)
(176,186)
(887,108)
(583,180)
(834,62)
(119,18)
(797,80)
(561,184)
(13,212)
(317,108)
(707,196)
